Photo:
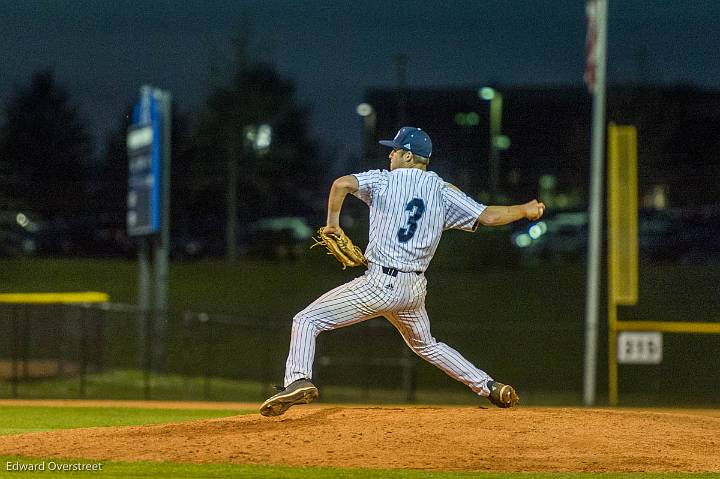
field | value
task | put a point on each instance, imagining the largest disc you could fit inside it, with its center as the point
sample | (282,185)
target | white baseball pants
(401,300)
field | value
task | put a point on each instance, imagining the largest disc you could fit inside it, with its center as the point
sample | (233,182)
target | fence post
(208,356)
(187,322)
(15,349)
(266,369)
(408,372)
(83,351)
(365,366)
(100,341)
(61,339)
(25,340)
(148,354)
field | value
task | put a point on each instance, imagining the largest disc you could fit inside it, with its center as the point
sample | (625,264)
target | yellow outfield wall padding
(670,327)
(49,298)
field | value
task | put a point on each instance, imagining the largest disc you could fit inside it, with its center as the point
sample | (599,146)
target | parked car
(87,235)
(21,232)
(202,238)
(560,236)
(699,237)
(658,235)
(563,236)
(280,237)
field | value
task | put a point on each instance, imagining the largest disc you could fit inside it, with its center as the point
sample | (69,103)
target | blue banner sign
(144,142)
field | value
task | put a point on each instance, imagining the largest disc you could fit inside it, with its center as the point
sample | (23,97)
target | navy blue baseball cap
(411,139)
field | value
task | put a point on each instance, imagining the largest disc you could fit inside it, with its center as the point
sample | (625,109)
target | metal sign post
(148,216)
(595,215)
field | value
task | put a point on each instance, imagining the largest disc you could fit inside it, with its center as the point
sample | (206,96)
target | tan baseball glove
(340,246)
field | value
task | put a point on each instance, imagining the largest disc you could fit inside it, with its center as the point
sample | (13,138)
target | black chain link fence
(111,351)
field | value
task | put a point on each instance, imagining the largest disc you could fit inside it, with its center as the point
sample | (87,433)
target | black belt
(394,272)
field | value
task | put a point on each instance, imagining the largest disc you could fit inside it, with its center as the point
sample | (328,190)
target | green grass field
(23,419)
(120,470)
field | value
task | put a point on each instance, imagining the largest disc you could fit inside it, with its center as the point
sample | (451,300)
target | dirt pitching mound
(523,439)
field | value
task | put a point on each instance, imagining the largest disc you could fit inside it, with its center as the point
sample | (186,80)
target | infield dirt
(440,438)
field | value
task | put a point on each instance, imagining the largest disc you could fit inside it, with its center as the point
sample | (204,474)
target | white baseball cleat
(301,391)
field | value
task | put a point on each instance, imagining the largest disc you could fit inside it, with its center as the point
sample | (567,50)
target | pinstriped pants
(401,300)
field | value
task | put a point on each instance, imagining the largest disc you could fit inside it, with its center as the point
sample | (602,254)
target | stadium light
(486,93)
(364,109)
(498,141)
(259,137)
(369,116)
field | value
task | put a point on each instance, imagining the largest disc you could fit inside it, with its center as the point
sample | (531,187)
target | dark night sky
(103,50)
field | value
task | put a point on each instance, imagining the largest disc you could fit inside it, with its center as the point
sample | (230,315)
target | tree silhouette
(277,181)
(112,176)
(45,149)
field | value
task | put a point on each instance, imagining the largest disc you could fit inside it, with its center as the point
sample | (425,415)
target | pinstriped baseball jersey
(409,210)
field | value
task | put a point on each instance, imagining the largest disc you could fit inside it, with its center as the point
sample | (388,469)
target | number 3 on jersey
(416,207)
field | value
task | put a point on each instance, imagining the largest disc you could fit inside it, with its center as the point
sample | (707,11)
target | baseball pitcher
(410,208)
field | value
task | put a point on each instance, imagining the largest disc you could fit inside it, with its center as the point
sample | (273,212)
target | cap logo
(407,146)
